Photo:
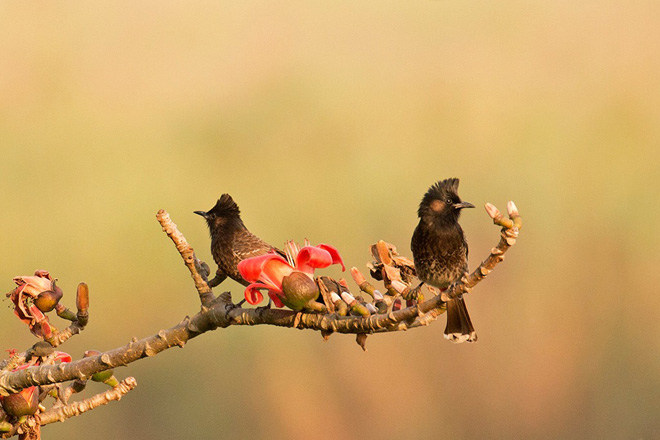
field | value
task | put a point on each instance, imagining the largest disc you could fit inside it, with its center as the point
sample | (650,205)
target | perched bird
(231,242)
(440,251)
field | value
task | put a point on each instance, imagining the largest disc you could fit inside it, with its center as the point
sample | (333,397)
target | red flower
(33,296)
(23,403)
(26,401)
(281,277)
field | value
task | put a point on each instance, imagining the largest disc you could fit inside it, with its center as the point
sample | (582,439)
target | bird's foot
(217,279)
(267,306)
(203,269)
(416,293)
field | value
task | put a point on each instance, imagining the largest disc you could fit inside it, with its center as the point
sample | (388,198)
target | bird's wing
(249,245)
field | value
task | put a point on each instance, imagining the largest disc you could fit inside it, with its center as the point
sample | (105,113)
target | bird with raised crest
(440,252)
(231,241)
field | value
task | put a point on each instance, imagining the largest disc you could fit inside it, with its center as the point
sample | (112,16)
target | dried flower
(23,403)
(34,296)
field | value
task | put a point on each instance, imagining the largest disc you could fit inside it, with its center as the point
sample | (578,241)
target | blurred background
(328,121)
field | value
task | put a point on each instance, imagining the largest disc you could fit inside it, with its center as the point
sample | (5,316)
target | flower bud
(381,306)
(514,214)
(348,298)
(340,306)
(82,297)
(512,209)
(357,276)
(497,216)
(298,290)
(23,403)
(399,286)
(106,376)
(48,299)
(41,349)
(492,211)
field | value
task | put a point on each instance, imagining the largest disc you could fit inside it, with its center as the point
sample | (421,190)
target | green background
(328,121)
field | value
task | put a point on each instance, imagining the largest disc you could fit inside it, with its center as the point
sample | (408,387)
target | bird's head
(441,202)
(224,211)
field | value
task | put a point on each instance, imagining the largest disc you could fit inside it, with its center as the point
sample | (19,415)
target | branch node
(105,360)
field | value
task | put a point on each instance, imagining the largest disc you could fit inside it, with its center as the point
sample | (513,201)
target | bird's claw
(203,269)
(267,306)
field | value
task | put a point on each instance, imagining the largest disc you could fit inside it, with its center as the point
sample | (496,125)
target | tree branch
(221,312)
(188,255)
(61,413)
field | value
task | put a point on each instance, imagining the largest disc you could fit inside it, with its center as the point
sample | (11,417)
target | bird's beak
(463,205)
(202,213)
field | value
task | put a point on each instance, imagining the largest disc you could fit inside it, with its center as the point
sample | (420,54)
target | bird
(440,252)
(231,241)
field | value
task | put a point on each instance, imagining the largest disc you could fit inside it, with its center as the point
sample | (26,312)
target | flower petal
(274,271)
(62,356)
(269,268)
(311,257)
(276,299)
(334,253)
(253,294)
(317,257)
(251,268)
(34,284)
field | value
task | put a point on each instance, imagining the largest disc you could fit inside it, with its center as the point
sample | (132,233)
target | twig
(61,413)
(188,255)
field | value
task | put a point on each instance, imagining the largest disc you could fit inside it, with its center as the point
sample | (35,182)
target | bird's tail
(459,326)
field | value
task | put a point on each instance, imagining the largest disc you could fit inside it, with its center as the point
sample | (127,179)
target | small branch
(65,393)
(61,337)
(510,230)
(188,255)
(61,413)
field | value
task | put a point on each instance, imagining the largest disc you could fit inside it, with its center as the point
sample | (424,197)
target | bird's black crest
(225,206)
(439,191)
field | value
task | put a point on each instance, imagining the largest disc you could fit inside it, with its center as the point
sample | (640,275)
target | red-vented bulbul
(231,242)
(440,252)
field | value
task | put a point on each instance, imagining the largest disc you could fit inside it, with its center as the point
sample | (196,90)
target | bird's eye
(448,201)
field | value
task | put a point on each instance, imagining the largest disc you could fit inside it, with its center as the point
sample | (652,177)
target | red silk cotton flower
(289,282)
(26,401)
(34,296)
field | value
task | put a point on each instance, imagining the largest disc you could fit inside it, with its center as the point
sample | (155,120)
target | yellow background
(328,121)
